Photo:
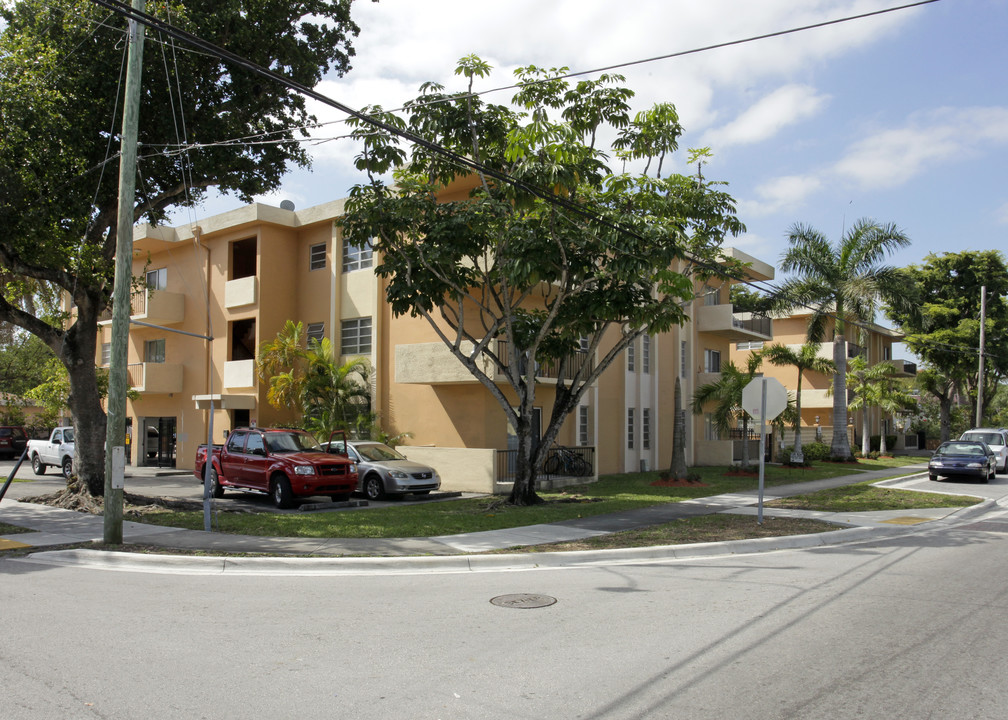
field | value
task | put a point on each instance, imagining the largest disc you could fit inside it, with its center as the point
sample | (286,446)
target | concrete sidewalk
(54,527)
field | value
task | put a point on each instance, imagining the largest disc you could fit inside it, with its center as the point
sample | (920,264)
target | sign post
(764,399)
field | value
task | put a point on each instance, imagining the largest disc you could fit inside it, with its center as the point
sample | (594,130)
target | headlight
(936,463)
(975,465)
(304,470)
(398,474)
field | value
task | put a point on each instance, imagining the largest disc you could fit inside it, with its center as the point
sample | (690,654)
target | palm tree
(726,394)
(281,362)
(805,358)
(335,396)
(843,283)
(876,386)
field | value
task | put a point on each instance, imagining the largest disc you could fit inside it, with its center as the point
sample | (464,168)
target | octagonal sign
(776,398)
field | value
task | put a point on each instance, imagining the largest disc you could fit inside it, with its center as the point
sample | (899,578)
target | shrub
(875,444)
(816,451)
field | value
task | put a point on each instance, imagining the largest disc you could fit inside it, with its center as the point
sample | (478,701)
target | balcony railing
(753,323)
(158,306)
(550,369)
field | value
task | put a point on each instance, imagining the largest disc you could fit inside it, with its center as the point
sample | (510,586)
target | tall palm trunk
(840,447)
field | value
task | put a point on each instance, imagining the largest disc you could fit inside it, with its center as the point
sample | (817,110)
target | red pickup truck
(287,464)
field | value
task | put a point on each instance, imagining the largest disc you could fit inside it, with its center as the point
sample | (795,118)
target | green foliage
(550,247)
(941,319)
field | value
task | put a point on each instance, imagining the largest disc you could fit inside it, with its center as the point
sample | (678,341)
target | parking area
(182,485)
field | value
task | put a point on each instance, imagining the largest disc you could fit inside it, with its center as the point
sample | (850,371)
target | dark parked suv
(12,440)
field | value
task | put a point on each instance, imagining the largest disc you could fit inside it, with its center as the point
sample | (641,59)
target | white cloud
(768,116)
(890,158)
(779,194)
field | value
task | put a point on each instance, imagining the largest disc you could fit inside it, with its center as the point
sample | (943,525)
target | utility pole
(983,342)
(115,428)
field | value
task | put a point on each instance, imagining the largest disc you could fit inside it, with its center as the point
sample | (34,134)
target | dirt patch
(133,505)
(682,482)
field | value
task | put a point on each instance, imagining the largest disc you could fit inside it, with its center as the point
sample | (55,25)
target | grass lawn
(6,529)
(610,494)
(864,497)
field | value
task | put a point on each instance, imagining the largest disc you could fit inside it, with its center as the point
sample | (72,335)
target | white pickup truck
(58,450)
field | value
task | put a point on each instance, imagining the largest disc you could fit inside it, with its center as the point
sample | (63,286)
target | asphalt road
(909,627)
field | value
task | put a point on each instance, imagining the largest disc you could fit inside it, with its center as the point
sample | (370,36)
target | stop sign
(776,398)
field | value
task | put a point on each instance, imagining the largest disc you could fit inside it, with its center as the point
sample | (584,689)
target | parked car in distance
(13,440)
(384,471)
(963,458)
(286,464)
(996,439)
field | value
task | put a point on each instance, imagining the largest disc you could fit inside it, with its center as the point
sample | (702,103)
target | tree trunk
(865,430)
(77,353)
(945,417)
(840,447)
(678,467)
(797,456)
(523,491)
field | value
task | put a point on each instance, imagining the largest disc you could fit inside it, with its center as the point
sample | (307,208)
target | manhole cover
(523,601)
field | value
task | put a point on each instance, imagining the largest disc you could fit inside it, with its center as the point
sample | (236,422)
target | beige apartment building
(874,342)
(237,277)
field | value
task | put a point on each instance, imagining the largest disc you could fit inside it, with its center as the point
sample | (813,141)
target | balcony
(433,364)
(241,292)
(239,374)
(905,368)
(158,307)
(155,378)
(734,326)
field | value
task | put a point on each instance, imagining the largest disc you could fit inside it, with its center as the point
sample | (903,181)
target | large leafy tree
(941,321)
(60,96)
(724,398)
(842,284)
(552,252)
(805,358)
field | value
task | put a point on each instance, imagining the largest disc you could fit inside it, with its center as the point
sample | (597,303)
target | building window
(709,430)
(683,360)
(711,295)
(355,338)
(584,342)
(630,428)
(317,256)
(106,353)
(887,353)
(316,331)
(157,279)
(645,428)
(645,353)
(755,345)
(712,361)
(154,351)
(630,359)
(583,425)
(356,257)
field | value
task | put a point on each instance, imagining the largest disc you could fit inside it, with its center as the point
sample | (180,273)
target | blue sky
(901,117)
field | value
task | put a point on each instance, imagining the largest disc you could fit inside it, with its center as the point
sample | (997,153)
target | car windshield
(377,452)
(961,448)
(989,438)
(291,442)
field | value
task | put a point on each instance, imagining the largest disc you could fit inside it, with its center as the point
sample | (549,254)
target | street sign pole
(762,452)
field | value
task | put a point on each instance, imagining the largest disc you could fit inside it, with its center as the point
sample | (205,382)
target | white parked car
(996,439)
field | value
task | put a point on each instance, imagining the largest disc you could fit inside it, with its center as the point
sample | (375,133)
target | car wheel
(216,489)
(283,496)
(38,467)
(339,497)
(374,488)
(68,468)
(933,478)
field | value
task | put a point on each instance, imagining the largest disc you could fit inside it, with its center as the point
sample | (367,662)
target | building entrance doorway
(155,442)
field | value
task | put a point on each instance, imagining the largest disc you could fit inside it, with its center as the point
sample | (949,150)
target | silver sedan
(383,471)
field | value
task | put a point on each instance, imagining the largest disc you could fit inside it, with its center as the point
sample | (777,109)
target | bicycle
(565,461)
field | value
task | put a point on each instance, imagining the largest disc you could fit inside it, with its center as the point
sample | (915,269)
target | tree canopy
(942,321)
(60,98)
(552,251)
